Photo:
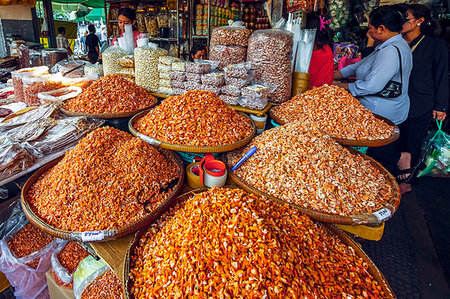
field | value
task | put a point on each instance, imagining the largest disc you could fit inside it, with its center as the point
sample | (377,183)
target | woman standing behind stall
(388,66)
(428,85)
(127,16)
(92,45)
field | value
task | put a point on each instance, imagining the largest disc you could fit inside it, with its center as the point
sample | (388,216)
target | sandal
(412,173)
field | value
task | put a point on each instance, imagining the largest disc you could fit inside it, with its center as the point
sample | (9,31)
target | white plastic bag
(28,283)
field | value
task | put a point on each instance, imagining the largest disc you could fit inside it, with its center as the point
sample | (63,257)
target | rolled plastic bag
(25,275)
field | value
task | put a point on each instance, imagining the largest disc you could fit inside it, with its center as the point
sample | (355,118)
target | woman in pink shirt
(127,16)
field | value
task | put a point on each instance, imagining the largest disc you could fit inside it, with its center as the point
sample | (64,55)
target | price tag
(383,214)
(92,236)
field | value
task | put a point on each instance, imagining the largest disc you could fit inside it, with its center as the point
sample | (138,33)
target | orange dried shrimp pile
(97,184)
(69,258)
(197,118)
(299,164)
(107,285)
(226,243)
(110,94)
(336,112)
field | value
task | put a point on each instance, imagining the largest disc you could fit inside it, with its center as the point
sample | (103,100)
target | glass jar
(163,18)
(140,18)
(151,22)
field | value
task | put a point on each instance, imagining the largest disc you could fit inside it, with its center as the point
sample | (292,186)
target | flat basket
(372,268)
(352,142)
(107,234)
(187,148)
(362,219)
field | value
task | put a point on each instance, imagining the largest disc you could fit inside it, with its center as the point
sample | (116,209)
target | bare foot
(405,188)
(404,163)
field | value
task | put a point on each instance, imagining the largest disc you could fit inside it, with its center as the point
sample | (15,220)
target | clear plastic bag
(230,100)
(66,65)
(212,88)
(17,79)
(178,76)
(270,52)
(193,77)
(198,68)
(253,103)
(110,59)
(234,35)
(61,272)
(177,84)
(178,91)
(146,66)
(93,70)
(164,67)
(166,90)
(231,90)
(126,61)
(239,70)
(213,79)
(168,60)
(88,270)
(227,55)
(28,282)
(82,82)
(34,85)
(59,95)
(191,85)
(165,83)
(256,91)
(238,82)
(164,75)
(179,66)
(436,153)
(127,72)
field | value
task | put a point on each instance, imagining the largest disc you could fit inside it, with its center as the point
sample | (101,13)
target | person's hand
(370,40)
(343,85)
(439,115)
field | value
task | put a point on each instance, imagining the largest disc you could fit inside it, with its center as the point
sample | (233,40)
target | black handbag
(393,89)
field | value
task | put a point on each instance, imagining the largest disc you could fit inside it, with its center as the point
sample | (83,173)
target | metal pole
(35,25)
(48,11)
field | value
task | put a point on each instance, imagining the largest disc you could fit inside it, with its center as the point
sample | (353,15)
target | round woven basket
(372,269)
(352,142)
(109,115)
(361,219)
(108,234)
(187,148)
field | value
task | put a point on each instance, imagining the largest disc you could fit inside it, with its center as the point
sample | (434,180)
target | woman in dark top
(428,86)
(92,44)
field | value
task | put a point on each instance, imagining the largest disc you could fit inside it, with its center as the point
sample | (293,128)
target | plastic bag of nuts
(191,85)
(126,61)
(201,66)
(227,55)
(212,88)
(234,35)
(238,82)
(146,66)
(166,90)
(231,90)
(239,70)
(164,75)
(168,60)
(213,79)
(230,100)
(164,67)
(127,72)
(256,91)
(177,75)
(178,91)
(256,103)
(197,78)
(270,53)
(179,66)
(17,79)
(110,59)
(93,69)
(165,83)
(177,84)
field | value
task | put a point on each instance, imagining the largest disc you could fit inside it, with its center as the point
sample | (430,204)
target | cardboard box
(56,291)
(4,283)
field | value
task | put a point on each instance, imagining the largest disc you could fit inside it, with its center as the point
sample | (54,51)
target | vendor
(92,45)
(127,16)
(198,52)
(390,64)
(322,64)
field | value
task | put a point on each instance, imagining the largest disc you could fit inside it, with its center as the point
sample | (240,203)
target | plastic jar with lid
(163,18)
(151,22)
(140,18)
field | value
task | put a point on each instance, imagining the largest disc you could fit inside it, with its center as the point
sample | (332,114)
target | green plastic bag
(436,153)
(87,271)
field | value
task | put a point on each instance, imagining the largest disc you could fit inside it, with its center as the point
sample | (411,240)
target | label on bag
(383,214)
(92,236)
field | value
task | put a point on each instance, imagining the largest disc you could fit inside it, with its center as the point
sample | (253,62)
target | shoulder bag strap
(400,57)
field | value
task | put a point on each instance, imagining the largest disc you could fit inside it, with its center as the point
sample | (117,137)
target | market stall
(150,175)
